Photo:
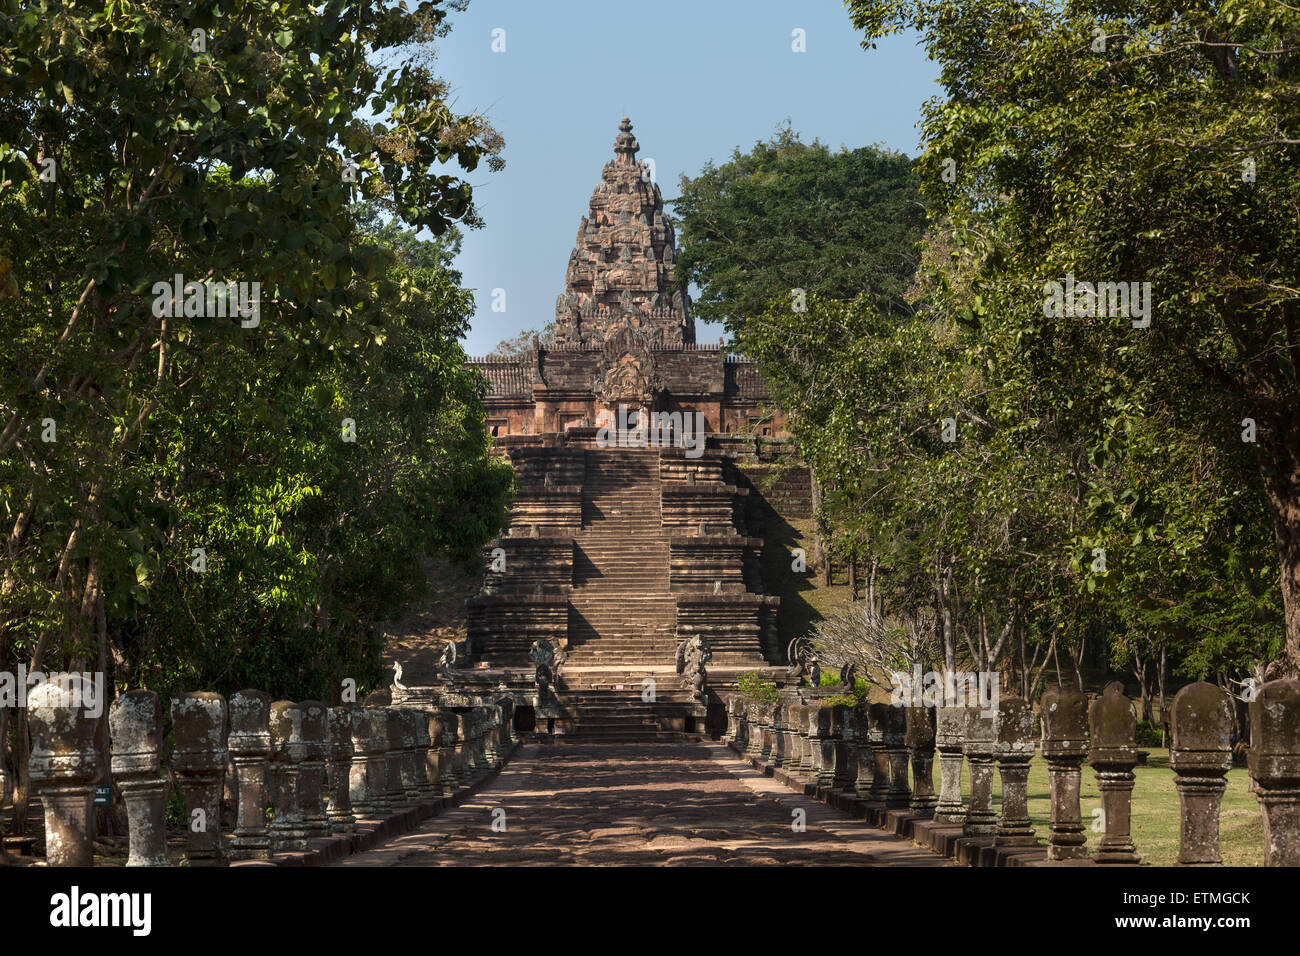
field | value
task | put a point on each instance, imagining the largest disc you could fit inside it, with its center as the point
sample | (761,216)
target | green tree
(139,443)
(517,345)
(1146,142)
(791,215)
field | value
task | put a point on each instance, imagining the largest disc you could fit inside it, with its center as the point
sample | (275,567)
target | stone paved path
(639,804)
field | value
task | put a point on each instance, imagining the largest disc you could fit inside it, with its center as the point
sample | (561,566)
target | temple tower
(620,272)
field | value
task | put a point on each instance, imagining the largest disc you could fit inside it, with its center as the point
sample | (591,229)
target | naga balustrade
(857,758)
(323,772)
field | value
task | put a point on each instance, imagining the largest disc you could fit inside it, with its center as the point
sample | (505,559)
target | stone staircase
(622,614)
(620,554)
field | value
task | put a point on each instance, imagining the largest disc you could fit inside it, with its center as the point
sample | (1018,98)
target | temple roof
(620,271)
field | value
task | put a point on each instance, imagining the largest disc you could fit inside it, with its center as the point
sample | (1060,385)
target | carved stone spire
(620,273)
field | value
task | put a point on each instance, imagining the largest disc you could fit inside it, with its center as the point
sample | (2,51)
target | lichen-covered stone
(980,747)
(135,734)
(949,737)
(199,727)
(1112,723)
(1201,756)
(338,725)
(1275,768)
(919,737)
(250,752)
(1014,751)
(288,751)
(64,767)
(1065,745)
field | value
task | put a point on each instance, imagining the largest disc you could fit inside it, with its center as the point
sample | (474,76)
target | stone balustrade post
(980,747)
(1112,720)
(469,736)
(919,737)
(864,759)
(949,739)
(791,739)
(1015,751)
(425,771)
(487,718)
(805,743)
(250,752)
(64,766)
(786,742)
(412,764)
(1065,745)
(311,772)
(1201,756)
(394,758)
(483,731)
(288,751)
(451,777)
(338,724)
(846,753)
(877,722)
(824,730)
(733,721)
(135,732)
(766,716)
(1275,768)
(199,722)
(779,735)
(437,749)
(899,794)
(754,730)
(368,774)
(507,727)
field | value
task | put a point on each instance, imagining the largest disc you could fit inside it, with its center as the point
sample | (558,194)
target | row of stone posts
(857,758)
(321,770)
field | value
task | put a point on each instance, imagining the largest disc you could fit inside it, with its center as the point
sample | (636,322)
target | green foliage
(1138,142)
(177,433)
(841,700)
(1148,734)
(515,346)
(754,688)
(792,215)
(1060,482)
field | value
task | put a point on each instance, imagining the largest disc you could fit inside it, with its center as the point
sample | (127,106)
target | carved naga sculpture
(803,661)
(692,656)
(447,662)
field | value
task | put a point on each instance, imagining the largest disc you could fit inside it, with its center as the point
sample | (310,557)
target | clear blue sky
(697,78)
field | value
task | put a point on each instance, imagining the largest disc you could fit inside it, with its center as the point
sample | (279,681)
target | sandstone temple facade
(630,586)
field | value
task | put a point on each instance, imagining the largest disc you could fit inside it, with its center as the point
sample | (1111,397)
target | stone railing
(336,779)
(857,759)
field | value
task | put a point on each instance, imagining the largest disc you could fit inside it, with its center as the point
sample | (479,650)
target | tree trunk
(1286,530)
(22,779)
(853,577)
(1078,660)
(871,586)
(1144,689)
(1160,684)
(819,541)
(1280,466)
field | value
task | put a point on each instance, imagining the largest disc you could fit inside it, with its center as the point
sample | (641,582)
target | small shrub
(847,700)
(753,688)
(1148,734)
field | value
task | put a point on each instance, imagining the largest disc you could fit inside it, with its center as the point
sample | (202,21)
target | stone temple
(654,491)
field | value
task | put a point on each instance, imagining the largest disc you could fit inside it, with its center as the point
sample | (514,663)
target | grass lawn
(1155,811)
